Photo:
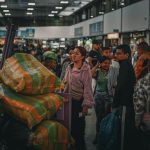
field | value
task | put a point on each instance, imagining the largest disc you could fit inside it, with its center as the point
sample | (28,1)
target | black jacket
(125,85)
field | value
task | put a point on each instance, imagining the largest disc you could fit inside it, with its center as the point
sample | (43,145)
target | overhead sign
(113,36)
(138,34)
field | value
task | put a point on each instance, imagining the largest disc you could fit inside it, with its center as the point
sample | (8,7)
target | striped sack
(30,110)
(51,135)
(25,74)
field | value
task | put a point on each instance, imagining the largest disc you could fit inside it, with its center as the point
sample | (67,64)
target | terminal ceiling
(43,12)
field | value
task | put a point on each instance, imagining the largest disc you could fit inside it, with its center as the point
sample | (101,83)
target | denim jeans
(102,107)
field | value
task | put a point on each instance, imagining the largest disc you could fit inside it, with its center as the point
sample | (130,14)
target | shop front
(134,38)
(111,39)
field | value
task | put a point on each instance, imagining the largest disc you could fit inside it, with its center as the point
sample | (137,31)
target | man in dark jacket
(126,78)
(123,96)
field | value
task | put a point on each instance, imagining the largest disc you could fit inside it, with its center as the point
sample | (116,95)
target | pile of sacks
(27,93)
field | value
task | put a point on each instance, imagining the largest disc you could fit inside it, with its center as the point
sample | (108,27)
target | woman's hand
(85,110)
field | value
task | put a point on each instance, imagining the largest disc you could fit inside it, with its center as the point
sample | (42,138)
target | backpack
(109,137)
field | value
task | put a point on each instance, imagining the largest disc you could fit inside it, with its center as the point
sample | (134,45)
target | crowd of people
(106,80)
(110,81)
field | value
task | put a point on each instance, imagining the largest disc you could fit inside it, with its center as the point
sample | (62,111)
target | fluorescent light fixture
(2,0)
(29,13)
(3,6)
(64,2)
(30,8)
(101,12)
(58,7)
(51,15)
(31,4)
(104,3)
(77,2)
(84,2)
(5,10)
(65,13)
(7,14)
(113,9)
(54,12)
(91,16)
(122,3)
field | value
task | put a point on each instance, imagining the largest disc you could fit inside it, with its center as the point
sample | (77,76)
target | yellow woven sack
(25,74)
(30,110)
(51,135)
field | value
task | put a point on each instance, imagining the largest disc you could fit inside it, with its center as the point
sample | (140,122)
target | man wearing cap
(50,60)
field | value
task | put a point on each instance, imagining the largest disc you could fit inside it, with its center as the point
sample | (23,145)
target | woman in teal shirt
(101,95)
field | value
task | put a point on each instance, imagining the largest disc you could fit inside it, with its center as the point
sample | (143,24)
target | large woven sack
(51,135)
(31,110)
(25,74)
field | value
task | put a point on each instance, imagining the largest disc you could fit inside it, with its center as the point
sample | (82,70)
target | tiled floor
(90,130)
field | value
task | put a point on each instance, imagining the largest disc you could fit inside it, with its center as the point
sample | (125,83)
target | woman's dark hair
(143,45)
(145,68)
(82,50)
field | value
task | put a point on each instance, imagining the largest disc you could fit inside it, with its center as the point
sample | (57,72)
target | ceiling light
(3,6)
(51,15)
(30,8)
(5,10)
(91,16)
(7,14)
(104,3)
(65,13)
(2,0)
(77,2)
(122,4)
(31,4)
(58,7)
(101,12)
(54,12)
(113,9)
(64,2)
(29,13)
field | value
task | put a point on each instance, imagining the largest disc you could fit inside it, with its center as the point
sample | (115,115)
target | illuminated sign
(113,36)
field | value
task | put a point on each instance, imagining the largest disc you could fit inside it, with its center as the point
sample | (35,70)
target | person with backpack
(78,82)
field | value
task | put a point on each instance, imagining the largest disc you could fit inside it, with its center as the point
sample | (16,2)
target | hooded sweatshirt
(81,79)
